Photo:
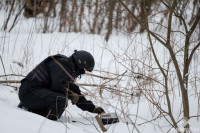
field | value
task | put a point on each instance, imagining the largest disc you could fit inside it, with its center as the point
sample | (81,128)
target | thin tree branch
(192,52)
(144,26)
(4,69)
(14,22)
(10,12)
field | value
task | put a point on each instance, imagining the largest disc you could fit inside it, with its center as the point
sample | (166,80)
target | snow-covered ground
(27,46)
(15,120)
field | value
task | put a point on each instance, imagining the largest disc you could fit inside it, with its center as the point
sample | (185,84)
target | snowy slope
(73,120)
(15,120)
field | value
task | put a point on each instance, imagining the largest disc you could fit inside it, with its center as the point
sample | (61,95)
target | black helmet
(83,60)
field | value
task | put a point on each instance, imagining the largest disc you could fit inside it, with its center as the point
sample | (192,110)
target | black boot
(20,105)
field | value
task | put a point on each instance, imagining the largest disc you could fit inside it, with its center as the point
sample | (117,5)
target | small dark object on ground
(109,118)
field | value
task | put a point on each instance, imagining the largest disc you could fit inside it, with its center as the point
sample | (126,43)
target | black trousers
(42,101)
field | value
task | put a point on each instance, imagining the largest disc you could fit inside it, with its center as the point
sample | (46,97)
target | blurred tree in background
(90,16)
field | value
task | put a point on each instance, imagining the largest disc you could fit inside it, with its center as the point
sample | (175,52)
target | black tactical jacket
(48,74)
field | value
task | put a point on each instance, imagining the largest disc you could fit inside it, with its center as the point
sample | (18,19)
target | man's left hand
(98,110)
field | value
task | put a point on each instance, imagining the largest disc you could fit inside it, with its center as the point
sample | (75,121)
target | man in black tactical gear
(47,88)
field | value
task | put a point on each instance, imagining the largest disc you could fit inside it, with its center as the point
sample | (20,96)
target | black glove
(98,110)
(73,97)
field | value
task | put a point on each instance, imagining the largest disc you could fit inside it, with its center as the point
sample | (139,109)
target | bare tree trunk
(110,18)
(187,62)
(47,14)
(95,20)
(46,18)
(75,16)
(72,22)
(81,15)
(63,14)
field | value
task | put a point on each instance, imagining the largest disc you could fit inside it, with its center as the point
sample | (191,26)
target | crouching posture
(47,88)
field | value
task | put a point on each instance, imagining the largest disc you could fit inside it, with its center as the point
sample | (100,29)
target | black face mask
(82,71)
(79,72)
